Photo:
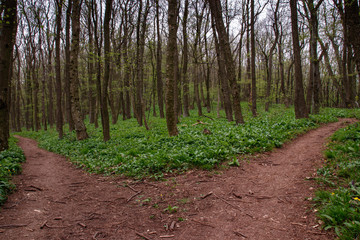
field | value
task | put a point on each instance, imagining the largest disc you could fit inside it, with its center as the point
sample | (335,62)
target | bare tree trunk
(253,74)
(7,40)
(160,91)
(185,61)
(74,74)
(140,41)
(300,105)
(91,60)
(352,24)
(171,69)
(59,113)
(104,94)
(67,67)
(224,45)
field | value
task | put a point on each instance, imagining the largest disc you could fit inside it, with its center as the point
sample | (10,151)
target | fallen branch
(205,224)
(258,197)
(81,224)
(299,224)
(208,117)
(13,225)
(318,233)
(143,236)
(131,188)
(234,206)
(167,236)
(199,122)
(207,195)
(129,199)
(43,225)
(240,234)
(37,188)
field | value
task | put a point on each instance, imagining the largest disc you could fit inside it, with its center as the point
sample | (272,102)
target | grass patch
(338,200)
(10,164)
(135,152)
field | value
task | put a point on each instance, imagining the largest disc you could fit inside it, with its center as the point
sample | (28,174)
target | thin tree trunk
(160,90)
(171,70)
(185,61)
(224,45)
(300,105)
(104,95)
(67,68)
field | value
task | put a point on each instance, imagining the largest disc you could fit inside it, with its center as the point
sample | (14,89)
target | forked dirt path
(263,199)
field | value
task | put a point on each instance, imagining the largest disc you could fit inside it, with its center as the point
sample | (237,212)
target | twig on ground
(258,197)
(43,225)
(234,206)
(81,224)
(37,188)
(318,233)
(143,236)
(129,199)
(208,117)
(167,236)
(207,195)
(131,188)
(199,122)
(205,224)
(237,233)
(299,224)
(13,225)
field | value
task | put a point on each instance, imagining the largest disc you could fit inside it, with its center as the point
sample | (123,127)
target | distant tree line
(64,60)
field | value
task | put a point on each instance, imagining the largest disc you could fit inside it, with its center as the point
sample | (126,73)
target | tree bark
(253,74)
(104,95)
(300,105)
(8,26)
(160,91)
(74,74)
(59,113)
(224,45)
(171,69)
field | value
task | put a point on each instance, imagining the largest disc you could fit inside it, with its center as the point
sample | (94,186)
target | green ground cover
(338,201)
(135,152)
(10,164)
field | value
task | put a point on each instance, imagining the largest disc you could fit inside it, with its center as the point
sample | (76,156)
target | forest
(152,89)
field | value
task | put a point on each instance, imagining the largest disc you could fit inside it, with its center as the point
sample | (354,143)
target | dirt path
(264,199)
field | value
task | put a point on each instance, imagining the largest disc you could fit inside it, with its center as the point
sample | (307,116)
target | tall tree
(252,40)
(59,113)
(8,26)
(171,69)
(67,67)
(185,61)
(224,45)
(74,72)
(105,93)
(159,79)
(299,102)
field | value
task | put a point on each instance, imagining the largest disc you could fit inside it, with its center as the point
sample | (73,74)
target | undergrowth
(338,200)
(10,164)
(135,152)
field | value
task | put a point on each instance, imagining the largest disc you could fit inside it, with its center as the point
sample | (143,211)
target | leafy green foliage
(339,207)
(135,152)
(10,164)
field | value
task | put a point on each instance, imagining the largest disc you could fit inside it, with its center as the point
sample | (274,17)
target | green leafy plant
(338,200)
(171,209)
(135,152)
(10,164)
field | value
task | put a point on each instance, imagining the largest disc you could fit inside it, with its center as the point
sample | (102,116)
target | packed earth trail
(264,198)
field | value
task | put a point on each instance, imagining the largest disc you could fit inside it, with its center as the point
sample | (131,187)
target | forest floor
(264,198)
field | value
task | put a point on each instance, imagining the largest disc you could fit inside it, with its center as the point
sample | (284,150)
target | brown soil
(263,199)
